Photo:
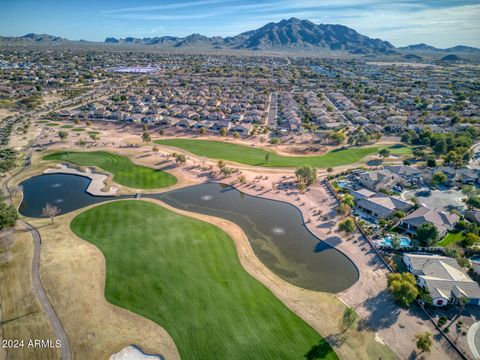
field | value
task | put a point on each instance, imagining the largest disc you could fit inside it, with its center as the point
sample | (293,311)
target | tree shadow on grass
(319,351)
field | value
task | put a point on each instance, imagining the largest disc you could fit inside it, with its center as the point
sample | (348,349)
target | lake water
(274,229)
(66,191)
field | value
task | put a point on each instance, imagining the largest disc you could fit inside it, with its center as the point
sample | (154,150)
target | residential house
(473,216)
(221,124)
(168,121)
(244,128)
(379,205)
(376,180)
(444,279)
(443,221)
(185,123)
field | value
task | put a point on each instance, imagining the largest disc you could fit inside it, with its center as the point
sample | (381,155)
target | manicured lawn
(185,275)
(124,171)
(53,124)
(78,129)
(451,239)
(256,156)
(67,126)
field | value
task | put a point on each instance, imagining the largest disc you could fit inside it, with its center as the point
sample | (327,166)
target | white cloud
(174,6)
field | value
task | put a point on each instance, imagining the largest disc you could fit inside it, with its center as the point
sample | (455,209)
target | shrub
(8,216)
(347,225)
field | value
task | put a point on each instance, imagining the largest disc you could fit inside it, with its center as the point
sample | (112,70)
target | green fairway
(124,171)
(185,275)
(256,156)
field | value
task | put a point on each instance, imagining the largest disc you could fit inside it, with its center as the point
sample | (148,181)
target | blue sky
(440,23)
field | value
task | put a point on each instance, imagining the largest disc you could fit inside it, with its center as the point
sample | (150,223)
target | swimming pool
(388,241)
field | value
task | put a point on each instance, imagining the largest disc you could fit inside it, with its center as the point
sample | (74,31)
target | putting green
(124,171)
(185,275)
(257,157)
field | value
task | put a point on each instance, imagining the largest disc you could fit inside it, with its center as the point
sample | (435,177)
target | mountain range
(428,48)
(292,34)
(287,35)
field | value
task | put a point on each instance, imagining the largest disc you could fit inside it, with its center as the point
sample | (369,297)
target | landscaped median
(124,171)
(257,157)
(185,275)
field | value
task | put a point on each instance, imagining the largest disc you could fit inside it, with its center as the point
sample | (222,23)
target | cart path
(55,324)
(66,353)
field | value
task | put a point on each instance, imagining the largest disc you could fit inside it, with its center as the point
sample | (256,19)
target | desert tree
(146,137)
(180,159)
(424,342)
(62,135)
(50,211)
(349,318)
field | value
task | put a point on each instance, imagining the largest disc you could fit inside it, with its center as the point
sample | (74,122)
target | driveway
(473,338)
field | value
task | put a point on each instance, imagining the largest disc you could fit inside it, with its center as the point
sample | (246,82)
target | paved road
(272,112)
(473,338)
(337,110)
(475,163)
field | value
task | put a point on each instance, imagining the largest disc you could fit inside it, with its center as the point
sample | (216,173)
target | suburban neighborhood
(296,191)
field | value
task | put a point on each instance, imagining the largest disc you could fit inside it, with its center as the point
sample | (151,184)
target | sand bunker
(133,353)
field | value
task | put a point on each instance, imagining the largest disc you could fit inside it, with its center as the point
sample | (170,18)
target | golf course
(258,157)
(124,171)
(185,275)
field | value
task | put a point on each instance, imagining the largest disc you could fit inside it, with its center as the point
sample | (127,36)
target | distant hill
(412,57)
(419,47)
(33,38)
(427,48)
(451,57)
(286,35)
(463,49)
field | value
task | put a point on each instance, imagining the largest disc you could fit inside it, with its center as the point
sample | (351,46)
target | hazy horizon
(440,23)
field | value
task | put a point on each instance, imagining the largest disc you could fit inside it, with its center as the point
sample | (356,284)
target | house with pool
(444,279)
(442,220)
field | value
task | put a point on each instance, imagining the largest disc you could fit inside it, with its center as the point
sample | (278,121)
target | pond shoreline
(299,257)
(95,187)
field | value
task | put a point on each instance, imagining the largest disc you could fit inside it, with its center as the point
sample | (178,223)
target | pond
(66,191)
(276,233)
(274,229)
